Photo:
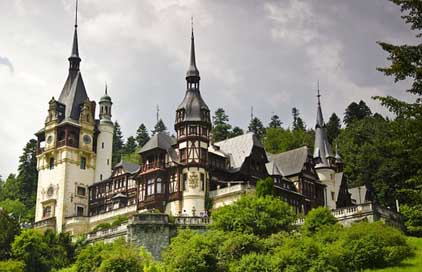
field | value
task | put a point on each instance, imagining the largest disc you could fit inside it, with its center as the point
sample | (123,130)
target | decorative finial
(318,93)
(158,113)
(76,14)
(106,88)
(251,113)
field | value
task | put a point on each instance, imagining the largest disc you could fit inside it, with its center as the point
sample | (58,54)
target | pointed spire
(193,70)
(106,88)
(319,119)
(322,150)
(74,58)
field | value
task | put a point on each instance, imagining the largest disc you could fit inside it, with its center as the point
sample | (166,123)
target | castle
(78,188)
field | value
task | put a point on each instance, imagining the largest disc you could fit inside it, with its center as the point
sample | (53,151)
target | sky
(267,55)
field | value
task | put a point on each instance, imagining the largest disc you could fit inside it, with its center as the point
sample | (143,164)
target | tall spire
(192,72)
(74,58)
(322,149)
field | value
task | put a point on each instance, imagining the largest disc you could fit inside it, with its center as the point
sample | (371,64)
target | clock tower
(193,127)
(70,146)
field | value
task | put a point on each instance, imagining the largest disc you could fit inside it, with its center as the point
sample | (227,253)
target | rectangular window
(81,191)
(46,213)
(332,196)
(51,163)
(79,211)
(83,163)
(159,186)
(193,130)
(185,182)
(141,192)
(202,182)
(150,187)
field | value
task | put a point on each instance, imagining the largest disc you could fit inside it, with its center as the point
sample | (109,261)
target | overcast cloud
(265,54)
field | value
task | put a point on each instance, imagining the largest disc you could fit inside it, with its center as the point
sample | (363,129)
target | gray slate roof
(291,162)
(162,141)
(238,148)
(272,169)
(193,104)
(322,149)
(128,167)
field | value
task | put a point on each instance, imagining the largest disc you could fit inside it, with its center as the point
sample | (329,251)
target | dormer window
(193,130)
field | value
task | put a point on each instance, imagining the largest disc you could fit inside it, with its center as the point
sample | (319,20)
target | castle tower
(104,139)
(66,152)
(193,127)
(325,166)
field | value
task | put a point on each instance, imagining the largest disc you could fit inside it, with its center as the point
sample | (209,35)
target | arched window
(159,186)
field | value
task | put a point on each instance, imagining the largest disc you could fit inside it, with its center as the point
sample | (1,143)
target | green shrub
(12,266)
(317,219)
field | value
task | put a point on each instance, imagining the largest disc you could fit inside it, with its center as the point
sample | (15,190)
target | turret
(193,127)
(104,139)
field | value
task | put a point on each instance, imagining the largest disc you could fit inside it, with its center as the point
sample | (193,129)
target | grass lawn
(410,265)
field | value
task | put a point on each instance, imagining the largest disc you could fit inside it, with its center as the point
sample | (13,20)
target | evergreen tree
(275,122)
(221,127)
(27,174)
(117,143)
(142,136)
(130,145)
(355,112)
(237,131)
(257,127)
(333,127)
(298,123)
(159,127)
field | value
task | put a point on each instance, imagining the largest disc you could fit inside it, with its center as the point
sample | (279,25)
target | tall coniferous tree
(27,174)
(257,127)
(298,123)
(356,111)
(237,131)
(130,145)
(159,127)
(117,143)
(221,127)
(333,127)
(275,122)
(142,136)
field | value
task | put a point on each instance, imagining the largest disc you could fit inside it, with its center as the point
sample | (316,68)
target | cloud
(6,62)
(266,54)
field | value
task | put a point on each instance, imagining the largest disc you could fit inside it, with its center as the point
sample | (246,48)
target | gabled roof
(128,167)
(272,169)
(291,162)
(239,148)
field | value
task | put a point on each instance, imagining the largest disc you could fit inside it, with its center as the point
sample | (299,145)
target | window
(332,195)
(183,154)
(159,184)
(185,181)
(83,163)
(51,164)
(101,176)
(108,161)
(182,131)
(173,184)
(141,192)
(102,145)
(202,182)
(46,213)
(150,187)
(204,154)
(193,130)
(81,191)
(79,211)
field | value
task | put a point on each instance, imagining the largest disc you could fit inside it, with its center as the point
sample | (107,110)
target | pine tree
(130,145)
(142,136)
(356,112)
(275,122)
(257,127)
(237,131)
(333,127)
(117,143)
(27,174)
(159,127)
(298,123)
(221,127)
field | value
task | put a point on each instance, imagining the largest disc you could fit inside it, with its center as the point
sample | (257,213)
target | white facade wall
(193,194)
(327,177)
(104,151)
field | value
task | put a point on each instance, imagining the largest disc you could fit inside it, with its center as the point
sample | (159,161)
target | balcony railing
(69,142)
(191,220)
(48,223)
(153,166)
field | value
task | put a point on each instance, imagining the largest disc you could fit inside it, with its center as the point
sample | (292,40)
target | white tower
(104,139)
(66,161)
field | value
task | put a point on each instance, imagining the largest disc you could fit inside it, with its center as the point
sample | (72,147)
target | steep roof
(292,161)
(193,104)
(322,149)
(239,148)
(73,95)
